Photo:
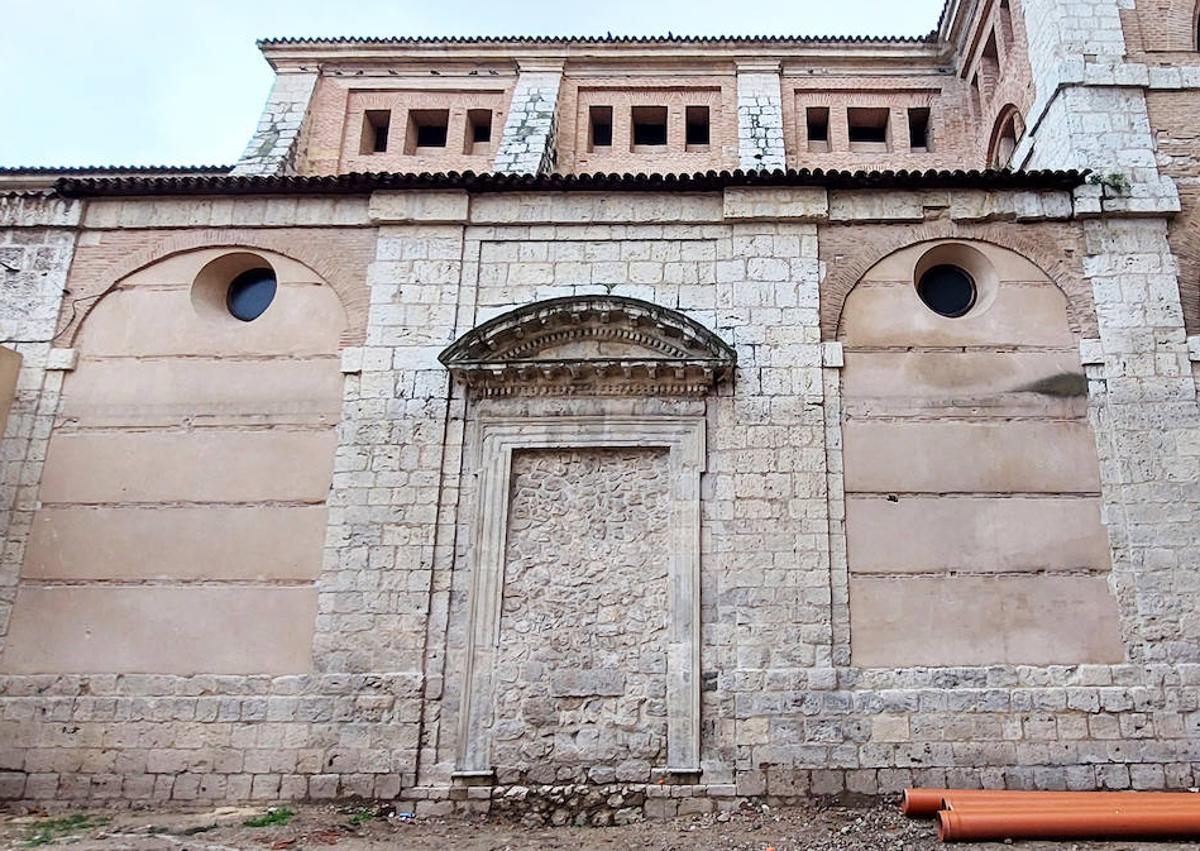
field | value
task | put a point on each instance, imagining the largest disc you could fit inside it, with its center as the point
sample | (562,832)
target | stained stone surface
(581,671)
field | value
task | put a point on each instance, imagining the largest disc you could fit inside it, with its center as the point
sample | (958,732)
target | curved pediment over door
(595,345)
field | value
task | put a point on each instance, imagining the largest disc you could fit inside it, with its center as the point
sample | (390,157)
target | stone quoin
(605,428)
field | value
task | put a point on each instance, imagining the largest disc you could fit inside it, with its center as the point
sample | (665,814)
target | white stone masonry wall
(272,148)
(527,146)
(374,591)
(37,242)
(1090,107)
(760,120)
(1148,430)
(1092,115)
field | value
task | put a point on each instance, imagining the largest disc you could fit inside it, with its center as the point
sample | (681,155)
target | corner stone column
(37,242)
(760,117)
(527,146)
(1147,425)
(1090,112)
(272,148)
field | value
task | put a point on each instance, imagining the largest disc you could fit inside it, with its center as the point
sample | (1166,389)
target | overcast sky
(97,82)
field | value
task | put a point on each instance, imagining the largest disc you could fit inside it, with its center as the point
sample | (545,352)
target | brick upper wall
(1157,27)
(334,141)
(967,84)
(623,93)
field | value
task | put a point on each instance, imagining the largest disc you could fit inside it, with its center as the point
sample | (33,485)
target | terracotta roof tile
(669,38)
(362,182)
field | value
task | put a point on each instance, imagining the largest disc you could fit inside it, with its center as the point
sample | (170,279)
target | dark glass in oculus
(948,290)
(250,293)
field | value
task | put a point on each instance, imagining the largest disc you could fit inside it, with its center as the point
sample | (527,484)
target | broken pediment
(598,345)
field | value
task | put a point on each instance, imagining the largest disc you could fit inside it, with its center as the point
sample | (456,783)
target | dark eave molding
(362,183)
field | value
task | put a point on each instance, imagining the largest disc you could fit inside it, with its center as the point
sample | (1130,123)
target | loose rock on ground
(358,827)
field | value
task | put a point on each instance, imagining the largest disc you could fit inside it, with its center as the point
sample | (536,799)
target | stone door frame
(497,439)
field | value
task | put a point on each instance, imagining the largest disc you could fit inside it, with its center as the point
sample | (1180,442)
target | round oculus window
(947,290)
(251,293)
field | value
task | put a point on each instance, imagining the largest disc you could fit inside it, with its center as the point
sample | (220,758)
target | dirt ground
(350,828)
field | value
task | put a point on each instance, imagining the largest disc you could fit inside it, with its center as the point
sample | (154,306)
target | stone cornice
(810,51)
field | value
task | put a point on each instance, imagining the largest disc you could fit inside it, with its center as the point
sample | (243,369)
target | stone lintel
(595,208)
(540,65)
(404,207)
(220,211)
(1010,205)
(804,203)
(38,209)
(966,205)
(758,66)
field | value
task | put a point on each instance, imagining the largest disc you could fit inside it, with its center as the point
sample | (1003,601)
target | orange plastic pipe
(978,805)
(926,802)
(1144,824)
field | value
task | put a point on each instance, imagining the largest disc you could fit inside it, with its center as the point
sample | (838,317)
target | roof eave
(286,55)
(357,183)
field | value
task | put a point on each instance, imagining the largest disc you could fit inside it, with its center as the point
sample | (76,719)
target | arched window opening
(1006,133)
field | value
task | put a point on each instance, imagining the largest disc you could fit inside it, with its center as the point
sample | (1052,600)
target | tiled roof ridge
(669,38)
(364,182)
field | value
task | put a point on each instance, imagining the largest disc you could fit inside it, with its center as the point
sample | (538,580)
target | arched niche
(972,483)
(569,493)
(182,506)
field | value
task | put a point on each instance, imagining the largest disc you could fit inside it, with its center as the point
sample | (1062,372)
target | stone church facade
(620,426)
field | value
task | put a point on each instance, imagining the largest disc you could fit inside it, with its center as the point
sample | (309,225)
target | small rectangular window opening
(599,127)
(918,129)
(989,65)
(427,128)
(697,131)
(376,123)
(1006,26)
(818,128)
(479,131)
(868,128)
(649,126)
